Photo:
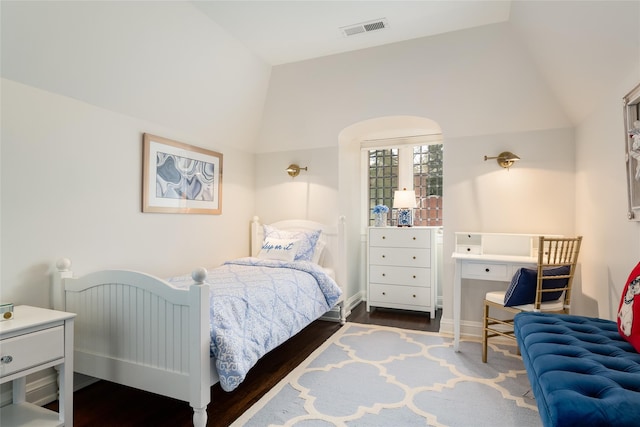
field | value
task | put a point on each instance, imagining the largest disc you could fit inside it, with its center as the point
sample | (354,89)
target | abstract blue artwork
(180,178)
(183,178)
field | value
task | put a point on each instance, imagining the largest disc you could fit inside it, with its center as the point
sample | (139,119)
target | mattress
(581,370)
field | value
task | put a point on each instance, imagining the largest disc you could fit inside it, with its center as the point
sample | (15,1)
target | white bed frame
(137,330)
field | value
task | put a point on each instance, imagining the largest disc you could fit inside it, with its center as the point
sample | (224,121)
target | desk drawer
(487,271)
(29,350)
(390,294)
(400,256)
(469,249)
(409,276)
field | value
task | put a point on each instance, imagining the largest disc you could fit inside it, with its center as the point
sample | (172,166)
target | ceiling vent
(365,27)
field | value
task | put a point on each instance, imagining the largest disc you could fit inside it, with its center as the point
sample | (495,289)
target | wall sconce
(504,159)
(294,170)
(405,202)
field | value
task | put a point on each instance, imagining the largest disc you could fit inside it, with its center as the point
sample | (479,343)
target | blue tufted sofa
(581,370)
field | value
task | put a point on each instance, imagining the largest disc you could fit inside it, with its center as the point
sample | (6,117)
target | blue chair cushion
(582,372)
(522,289)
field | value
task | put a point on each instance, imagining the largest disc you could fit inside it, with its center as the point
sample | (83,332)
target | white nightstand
(36,339)
(401,268)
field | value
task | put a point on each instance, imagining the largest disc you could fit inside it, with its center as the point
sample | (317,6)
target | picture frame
(631,103)
(180,178)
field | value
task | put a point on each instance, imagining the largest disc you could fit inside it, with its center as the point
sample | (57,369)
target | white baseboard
(468,329)
(44,390)
(39,391)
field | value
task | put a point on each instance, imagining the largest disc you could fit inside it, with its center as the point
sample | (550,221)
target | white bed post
(256,231)
(63,271)
(199,363)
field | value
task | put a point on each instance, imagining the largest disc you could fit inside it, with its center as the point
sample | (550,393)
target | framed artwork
(180,178)
(632,151)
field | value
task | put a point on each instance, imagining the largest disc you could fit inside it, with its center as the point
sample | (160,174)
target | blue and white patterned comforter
(256,305)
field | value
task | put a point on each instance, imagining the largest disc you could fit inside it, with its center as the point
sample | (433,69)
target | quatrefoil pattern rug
(367,375)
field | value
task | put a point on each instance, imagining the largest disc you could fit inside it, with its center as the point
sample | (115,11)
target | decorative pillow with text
(280,249)
(308,240)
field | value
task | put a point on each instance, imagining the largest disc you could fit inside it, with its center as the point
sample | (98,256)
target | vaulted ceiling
(580,47)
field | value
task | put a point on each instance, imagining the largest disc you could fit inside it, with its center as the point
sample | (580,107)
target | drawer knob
(487,269)
(6,359)
(384,274)
(414,257)
(384,256)
(414,276)
(414,238)
(468,249)
(384,293)
(384,237)
(414,295)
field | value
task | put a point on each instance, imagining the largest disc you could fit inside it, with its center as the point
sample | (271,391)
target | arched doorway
(352,182)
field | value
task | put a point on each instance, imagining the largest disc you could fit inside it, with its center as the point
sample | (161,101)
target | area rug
(367,375)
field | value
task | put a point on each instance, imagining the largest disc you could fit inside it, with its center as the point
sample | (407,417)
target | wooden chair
(552,254)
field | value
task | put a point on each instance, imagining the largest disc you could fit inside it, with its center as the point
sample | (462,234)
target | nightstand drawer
(407,295)
(400,257)
(400,237)
(409,276)
(29,350)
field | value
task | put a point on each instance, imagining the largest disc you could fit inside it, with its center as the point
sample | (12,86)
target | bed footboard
(138,330)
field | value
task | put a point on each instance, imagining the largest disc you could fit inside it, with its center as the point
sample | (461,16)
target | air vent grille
(364,27)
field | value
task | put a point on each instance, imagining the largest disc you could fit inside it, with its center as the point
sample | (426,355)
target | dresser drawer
(29,350)
(381,294)
(400,257)
(410,276)
(487,271)
(400,237)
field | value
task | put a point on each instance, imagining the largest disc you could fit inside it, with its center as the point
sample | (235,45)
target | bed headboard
(333,236)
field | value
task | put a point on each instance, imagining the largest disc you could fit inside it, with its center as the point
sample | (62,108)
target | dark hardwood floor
(108,404)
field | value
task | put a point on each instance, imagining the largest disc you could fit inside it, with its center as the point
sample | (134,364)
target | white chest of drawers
(36,339)
(401,268)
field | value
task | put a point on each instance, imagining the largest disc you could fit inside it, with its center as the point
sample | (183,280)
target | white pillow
(318,252)
(280,249)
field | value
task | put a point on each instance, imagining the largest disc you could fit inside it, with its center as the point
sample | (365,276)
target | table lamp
(405,201)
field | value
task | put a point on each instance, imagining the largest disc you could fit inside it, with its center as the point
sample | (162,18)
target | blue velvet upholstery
(581,371)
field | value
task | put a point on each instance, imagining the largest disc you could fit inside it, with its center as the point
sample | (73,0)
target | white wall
(161,61)
(480,86)
(536,195)
(311,195)
(72,187)
(472,82)
(82,81)
(612,246)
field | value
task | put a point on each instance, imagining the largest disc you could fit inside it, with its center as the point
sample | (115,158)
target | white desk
(499,268)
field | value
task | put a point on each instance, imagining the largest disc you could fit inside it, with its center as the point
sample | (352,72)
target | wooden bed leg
(200,417)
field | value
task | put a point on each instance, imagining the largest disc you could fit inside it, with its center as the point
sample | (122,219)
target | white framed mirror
(632,151)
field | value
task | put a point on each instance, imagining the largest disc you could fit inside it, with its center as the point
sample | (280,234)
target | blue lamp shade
(405,201)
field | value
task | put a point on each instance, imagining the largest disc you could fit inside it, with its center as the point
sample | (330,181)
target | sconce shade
(404,199)
(504,159)
(294,170)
